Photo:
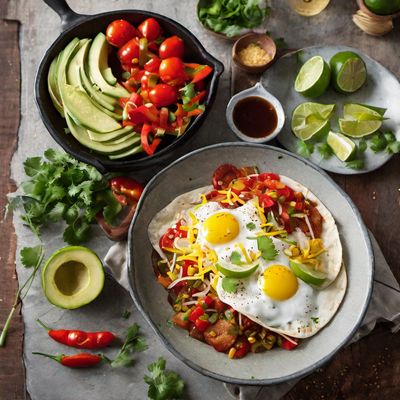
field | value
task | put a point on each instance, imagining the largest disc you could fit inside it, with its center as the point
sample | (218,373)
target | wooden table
(368,369)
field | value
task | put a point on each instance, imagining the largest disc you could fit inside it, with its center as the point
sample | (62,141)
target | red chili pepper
(144,137)
(197,312)
(242,347)
(126,190)
(81,360)
(80,339)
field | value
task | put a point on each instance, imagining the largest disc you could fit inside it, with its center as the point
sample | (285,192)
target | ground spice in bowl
(254,55)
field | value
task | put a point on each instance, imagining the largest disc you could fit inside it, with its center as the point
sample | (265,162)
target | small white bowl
(257,90)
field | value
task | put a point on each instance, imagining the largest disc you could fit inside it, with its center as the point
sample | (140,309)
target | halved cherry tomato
(172,47)
(224,175)
(129,52)
(167,240)
(266,201)
(172,71)
(149,80)
(120,32)
(163,95)
(150,29)
(202,324)
(153,65)
(242,347)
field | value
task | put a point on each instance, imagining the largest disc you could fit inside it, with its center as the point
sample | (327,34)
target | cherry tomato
(201,324)
(172,71)
(150,29)
(224,175)
(163,95)
(167,240)
(266,201)
(120,32)
(129,51)
(153,65)
(172,47)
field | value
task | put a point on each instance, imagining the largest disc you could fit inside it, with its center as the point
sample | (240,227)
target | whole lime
(383,7)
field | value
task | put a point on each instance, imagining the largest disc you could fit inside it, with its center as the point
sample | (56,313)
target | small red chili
(81,360)
(126,190)
(80,339)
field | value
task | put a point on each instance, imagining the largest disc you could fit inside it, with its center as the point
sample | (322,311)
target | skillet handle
(67,15)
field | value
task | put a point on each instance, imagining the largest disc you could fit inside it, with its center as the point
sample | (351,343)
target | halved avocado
(72,277)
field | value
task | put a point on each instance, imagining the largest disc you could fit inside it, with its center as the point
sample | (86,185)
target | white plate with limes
(350,148)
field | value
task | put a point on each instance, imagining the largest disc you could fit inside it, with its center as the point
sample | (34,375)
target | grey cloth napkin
(384,306)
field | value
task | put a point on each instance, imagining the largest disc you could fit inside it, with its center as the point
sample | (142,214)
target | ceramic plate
(195,170)
(382,89)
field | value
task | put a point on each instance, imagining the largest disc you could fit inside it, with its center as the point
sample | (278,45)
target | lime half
(343,147)
(236,271)
(348,71)
(313,77)
(307,274)
(311,119)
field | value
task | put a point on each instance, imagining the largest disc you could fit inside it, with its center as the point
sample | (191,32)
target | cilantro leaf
(389,136)
(188,92)
(236,258)
(251,226)
(304,149)
(267,248)
(229,285)
(362,145)
(32,166)
(355,164)
(325,150)
(56,213)
(393,147)
(378,143)
(133,343)
(30,256)
(163,384)
(315,320)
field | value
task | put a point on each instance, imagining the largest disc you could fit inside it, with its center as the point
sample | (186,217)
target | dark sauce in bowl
(255,117)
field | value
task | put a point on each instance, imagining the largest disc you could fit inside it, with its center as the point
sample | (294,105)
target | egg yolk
(221,228)
(280,283)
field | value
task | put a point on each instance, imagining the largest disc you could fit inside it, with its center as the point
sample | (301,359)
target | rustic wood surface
(369,369)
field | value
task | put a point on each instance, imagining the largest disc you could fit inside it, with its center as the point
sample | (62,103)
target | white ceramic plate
(382,89)
(195,170)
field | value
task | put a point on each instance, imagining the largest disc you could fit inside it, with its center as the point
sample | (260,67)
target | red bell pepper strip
(125,190)
(80,339)
(202,73)
(195,112)
(81,360)
(144,137)
(164,113)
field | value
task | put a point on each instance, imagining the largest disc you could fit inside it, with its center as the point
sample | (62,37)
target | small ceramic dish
(261,40)
(256,91)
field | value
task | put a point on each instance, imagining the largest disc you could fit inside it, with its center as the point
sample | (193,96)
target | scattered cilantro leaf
(267,248)
(362,145)
(133,343)
(251,226)
(389,136)
(236,258)
(163,384)
(315,320)
(229,285)
(32,166)
(126,314)
(378,143)
(304,149)
(325,150)
(355,164)
(30,256)
(393,147)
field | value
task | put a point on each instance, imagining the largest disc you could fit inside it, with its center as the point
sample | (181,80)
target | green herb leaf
(362,145)
(304,149)
(389,136)
(378,143)
(163,384)
(315,320)
(251,226)
(187,93)
(32,166)
(236,258)
(355,164)
(229,284)
(325,150)
(133,343)
(393,147)
(267,248)
(30,256)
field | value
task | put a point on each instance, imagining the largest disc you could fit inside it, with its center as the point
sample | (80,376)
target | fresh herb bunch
(231,17)
(62,188)
(163,384)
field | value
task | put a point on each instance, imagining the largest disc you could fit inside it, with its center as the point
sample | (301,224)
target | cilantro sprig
(62,188)
(267,248)
(163,384)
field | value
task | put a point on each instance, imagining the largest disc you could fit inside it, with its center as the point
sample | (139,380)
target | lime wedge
(348,71)
(311,119)
(358,112)
(343,147)
(313,77)
(307,274)
(357,129)
(381,111)
(236,271)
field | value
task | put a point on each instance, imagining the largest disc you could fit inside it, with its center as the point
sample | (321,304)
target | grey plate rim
(350,171)
(247,382)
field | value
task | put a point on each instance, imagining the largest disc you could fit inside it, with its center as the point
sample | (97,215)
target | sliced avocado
(106,137)
(97,62)
(134,150)
(72,277)
(84,112)
(76,63)
(81,135)
(115,115)
(105,101)
(65,58)
(109,76)
(53,88)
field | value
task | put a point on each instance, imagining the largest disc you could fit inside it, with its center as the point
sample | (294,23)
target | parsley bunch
(62,188)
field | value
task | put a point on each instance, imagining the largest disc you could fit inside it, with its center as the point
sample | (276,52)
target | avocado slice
(84,112)
(53,88)
(72,72)
(81,135)
(72,277)
(134,150)
(97,62)
(109,76)
(106,137)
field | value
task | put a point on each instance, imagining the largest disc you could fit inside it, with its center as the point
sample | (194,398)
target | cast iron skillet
(78,25)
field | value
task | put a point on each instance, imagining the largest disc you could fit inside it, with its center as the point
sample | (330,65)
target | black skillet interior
(88,26)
